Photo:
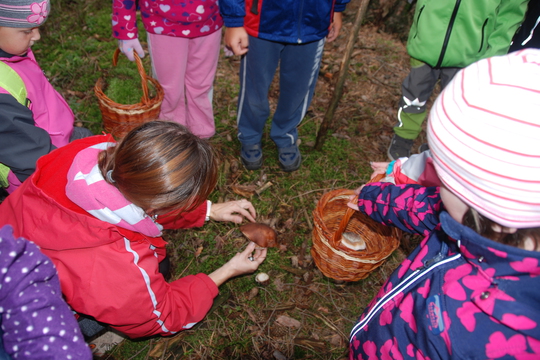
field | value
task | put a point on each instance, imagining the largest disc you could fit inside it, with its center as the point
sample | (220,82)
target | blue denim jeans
(298,71)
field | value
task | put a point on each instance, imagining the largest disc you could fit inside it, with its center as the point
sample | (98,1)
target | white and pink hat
(484,134)
(23,13)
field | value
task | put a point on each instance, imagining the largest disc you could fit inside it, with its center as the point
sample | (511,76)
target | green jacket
(456,33)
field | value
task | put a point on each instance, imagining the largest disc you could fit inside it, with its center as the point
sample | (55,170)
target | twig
(306,215)
(183,271)
(165,347)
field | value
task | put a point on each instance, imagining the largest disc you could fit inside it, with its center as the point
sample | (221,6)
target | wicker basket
(332,217)
(119,119)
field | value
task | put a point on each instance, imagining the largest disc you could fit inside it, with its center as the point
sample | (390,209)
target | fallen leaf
(288,321)
(244,190)
(279,356)
(199,251)
(253,292)
(279,284)
(336,340)
(288,224)
(219,243)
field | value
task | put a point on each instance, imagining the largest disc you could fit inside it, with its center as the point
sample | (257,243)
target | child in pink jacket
(33,123)
(183,40)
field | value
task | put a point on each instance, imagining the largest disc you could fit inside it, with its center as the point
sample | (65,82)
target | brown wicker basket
(332,217)
(119,119)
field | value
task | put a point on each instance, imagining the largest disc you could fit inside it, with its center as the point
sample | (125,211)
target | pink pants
(186,68)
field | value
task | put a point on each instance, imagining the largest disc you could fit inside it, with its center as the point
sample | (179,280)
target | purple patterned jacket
(457,296)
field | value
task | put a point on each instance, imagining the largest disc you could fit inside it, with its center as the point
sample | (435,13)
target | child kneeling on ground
(97,208)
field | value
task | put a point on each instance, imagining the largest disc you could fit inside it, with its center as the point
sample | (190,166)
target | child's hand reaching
(379,168)
(127,47)
(234,211)
(245,262)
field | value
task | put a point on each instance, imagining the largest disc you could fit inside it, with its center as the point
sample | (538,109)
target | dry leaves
(288,321)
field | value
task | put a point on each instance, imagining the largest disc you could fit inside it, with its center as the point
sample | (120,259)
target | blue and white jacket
(458,295)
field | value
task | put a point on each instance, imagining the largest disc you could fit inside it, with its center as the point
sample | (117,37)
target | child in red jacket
(98,209)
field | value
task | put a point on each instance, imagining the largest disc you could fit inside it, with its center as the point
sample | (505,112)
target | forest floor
(301,313)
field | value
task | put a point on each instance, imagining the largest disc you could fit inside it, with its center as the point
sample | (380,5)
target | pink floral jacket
(182,18)
(457,296)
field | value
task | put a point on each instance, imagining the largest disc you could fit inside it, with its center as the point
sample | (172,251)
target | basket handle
(347,217)
(145,98)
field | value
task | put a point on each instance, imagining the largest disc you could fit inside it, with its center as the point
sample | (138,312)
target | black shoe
(399,147)
(423,147)
(290,158)
(252,156)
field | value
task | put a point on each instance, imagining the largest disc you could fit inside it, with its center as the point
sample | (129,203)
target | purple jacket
(458,295)
(36,321)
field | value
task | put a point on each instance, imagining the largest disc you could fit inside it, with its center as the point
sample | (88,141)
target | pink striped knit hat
(23,13)
(484,134)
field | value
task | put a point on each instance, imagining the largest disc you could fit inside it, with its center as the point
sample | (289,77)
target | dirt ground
(365,117)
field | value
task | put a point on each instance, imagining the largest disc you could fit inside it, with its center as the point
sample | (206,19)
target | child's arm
(510,15)
(23,143)
(236,37)
(412,208)
(124,26)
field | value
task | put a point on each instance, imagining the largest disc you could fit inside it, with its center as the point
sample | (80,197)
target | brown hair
(161,165)
(485,227)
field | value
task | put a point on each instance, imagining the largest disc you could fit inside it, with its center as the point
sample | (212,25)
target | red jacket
(106,271)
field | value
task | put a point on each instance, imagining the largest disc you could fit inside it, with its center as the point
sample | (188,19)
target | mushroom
(261,234)
(262,278)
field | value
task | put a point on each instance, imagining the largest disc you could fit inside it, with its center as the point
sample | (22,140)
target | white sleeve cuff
(208,207)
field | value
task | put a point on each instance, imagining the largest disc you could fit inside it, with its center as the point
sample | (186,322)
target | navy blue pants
(298,71)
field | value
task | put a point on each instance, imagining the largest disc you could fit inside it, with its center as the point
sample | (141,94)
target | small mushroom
(262,278)
(261,234)
(353,241)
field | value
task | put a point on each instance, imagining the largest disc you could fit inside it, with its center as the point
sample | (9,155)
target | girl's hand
(245,262)
(353,199)
(234,211)
(378,168)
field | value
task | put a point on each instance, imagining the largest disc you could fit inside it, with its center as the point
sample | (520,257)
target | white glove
(127,47)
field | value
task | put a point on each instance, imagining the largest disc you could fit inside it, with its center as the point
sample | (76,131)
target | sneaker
(423,147)
(399,147)
(104,343)
(251,156)
(290,158)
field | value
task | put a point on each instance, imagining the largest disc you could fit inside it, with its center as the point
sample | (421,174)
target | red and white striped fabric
(484,134)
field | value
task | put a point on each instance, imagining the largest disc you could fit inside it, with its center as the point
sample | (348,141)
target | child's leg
(257,70)
(416,90)
(200,72)
(169,61)
(299,68)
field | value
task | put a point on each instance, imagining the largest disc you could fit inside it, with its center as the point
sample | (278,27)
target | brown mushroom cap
(261,234)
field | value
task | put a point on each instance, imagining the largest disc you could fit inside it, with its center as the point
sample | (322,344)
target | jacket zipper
(299,41)
(448,32)
(483,35)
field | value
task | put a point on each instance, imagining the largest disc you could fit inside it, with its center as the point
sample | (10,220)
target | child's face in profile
(17,41)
